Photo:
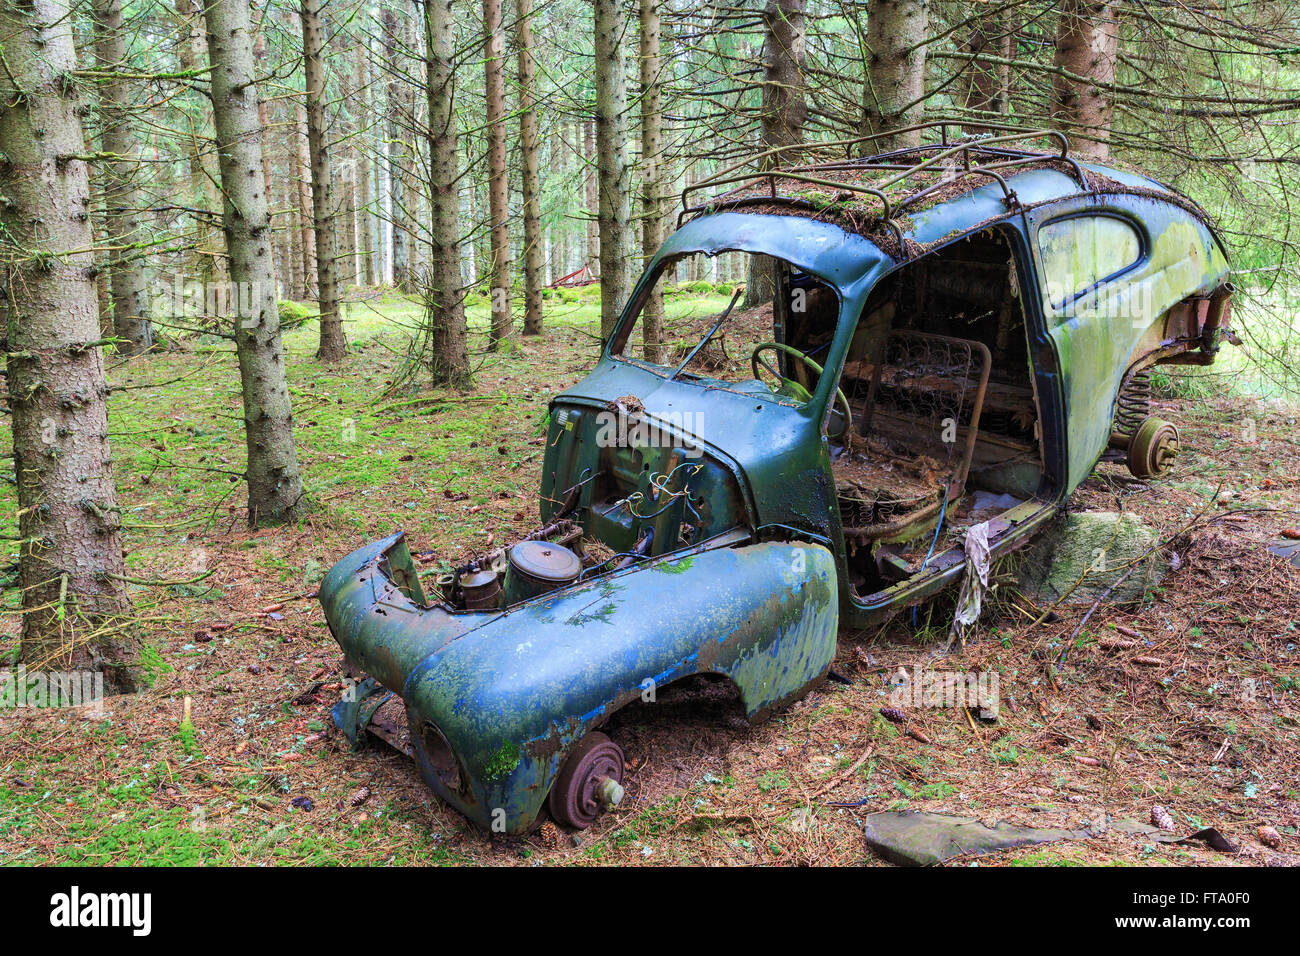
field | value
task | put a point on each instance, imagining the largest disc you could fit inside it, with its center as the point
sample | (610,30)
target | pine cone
(1269,837)
(549,834)
(893,713)
(1160,818)
(360,797)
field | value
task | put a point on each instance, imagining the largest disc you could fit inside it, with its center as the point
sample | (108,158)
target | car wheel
(590,782)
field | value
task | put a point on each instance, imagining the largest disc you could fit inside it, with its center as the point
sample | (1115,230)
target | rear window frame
(1061,307)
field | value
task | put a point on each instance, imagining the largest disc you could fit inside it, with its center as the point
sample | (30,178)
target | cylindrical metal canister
(536,567)
(482,590)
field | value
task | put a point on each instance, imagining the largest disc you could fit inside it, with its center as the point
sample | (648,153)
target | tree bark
(333,345)
(122,197)
(652,179)
(303,190)
(275,492)
(592,186)
(412,179)
(293,236)
(893,98)
(70,555)
(448,357)
(1087,44)
(399,215)
(264,120)
(364,186)
(988,85)
(785,110)
(347,236)
(534,265)
(494,85)
(205,259)
(615,179)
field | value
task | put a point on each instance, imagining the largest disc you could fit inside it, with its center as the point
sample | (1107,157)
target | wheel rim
(575,798)
(1153,448)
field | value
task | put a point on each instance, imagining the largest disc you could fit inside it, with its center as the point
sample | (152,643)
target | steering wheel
(792,389)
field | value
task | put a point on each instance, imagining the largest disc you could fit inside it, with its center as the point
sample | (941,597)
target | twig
(1095,604)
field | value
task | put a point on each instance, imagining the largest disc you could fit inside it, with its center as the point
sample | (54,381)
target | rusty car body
(987,318)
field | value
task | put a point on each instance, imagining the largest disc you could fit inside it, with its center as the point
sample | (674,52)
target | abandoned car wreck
(947,338)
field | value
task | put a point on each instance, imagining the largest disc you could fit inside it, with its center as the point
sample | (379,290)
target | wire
(659,482)
(937,528)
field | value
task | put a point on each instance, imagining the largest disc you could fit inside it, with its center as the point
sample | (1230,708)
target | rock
(313,572)
(1100,540)
(916,838)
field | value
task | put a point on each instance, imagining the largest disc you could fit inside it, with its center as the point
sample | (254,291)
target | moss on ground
(258,778)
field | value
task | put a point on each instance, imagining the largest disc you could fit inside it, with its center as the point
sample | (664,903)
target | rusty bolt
(609,792)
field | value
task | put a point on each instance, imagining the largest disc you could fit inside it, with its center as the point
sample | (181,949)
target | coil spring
(1134,402)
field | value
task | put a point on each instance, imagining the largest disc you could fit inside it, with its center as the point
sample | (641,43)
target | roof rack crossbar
(939,156)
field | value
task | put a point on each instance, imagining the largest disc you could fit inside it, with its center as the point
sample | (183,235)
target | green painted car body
(744,570)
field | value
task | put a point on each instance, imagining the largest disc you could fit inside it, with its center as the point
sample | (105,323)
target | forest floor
(1209,731)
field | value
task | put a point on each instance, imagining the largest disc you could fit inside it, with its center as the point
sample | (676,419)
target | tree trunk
(348,230)
(534,263)
(333,345)
(613,167)
(494,86)
(893,98)
(275,492)
(785,111)
(366,209)
(264,121)
(448,349)
(1087,45)
(652,180)
(347,236)
(399,215)
(122,198)
(412,174)
(70,555)
(204,258)
(988,85)
(471,203)
(293,238)
(592,185)
(302,182)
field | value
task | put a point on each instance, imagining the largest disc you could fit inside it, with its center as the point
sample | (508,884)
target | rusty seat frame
(978,355)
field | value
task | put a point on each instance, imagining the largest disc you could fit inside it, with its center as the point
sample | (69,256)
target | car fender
(496,700)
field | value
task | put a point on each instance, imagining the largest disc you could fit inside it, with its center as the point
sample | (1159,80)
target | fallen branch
(1095,604)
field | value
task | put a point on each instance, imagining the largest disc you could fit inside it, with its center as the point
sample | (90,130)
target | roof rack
(988,154)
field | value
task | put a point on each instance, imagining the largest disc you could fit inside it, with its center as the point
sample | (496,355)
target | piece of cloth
(976,581)
(987,501)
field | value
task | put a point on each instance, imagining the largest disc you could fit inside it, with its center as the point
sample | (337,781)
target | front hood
(762,459)
(723,419)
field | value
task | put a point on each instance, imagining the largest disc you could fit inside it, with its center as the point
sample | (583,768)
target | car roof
(911,200)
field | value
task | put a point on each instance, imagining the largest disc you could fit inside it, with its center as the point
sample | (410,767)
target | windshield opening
(742,321)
